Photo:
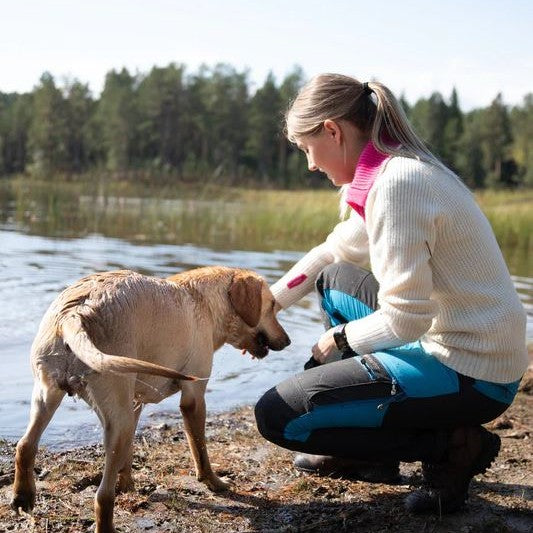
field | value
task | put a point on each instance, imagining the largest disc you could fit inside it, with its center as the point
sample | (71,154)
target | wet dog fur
(119,340)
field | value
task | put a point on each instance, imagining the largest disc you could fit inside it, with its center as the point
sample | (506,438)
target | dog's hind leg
(115,410)
(45,400)
(125,479)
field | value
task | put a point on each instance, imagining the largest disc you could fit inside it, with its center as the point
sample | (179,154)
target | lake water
(34,269)
(36,264)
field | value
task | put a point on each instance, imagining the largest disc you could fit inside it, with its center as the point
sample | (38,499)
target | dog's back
(103,313)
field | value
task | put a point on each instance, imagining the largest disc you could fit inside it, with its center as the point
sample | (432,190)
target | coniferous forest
(170,124)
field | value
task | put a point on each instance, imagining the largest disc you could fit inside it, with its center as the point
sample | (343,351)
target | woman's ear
(333,130)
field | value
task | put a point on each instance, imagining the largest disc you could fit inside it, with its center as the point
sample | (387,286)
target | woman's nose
(311,164)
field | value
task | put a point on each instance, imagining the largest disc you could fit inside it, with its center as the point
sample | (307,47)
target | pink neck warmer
(367,170)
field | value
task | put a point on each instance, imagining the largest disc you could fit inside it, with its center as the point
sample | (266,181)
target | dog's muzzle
(264,344)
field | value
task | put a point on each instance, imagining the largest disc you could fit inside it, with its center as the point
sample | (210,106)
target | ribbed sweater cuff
(371,334)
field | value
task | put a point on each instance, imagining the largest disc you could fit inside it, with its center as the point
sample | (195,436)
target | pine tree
(48,134)
(287,92)
(522,146)
(429,118)
(453,131)
(79,109)
(15,120)
(469,159)
(496,142)
(117,119)
(264,138)
(161,108)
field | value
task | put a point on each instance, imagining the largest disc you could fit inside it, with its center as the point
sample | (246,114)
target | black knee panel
(272,414)
(265,415)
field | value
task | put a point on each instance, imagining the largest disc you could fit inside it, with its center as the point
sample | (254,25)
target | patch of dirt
(267,495)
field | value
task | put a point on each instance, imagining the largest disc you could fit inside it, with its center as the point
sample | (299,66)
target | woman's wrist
(341,341)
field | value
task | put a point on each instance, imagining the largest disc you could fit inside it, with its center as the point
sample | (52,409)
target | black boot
(339,467)
(471,451)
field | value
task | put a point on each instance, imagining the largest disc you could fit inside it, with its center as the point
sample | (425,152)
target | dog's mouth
(261,347)
(262,344)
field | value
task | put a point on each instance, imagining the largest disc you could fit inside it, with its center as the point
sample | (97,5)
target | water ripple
(34,269)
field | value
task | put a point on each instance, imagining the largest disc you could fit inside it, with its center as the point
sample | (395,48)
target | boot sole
(389,478)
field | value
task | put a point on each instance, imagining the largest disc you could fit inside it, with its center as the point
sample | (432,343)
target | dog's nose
(280,343)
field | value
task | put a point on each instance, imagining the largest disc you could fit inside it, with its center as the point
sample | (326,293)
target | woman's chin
(336,181)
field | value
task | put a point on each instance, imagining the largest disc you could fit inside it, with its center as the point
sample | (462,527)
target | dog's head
(256,329)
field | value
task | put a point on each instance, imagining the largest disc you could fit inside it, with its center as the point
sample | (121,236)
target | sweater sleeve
(347,242)
(401,221)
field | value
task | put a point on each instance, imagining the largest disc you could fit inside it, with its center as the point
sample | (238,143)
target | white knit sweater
(442,276)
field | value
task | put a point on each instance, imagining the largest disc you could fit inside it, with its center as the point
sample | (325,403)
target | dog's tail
(81,345)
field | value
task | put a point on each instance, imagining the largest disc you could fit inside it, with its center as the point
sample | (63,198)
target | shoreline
(267,494)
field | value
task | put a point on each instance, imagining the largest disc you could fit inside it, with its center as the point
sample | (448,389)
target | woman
(424,349)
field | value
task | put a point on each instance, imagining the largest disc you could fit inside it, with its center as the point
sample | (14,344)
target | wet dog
(120,340)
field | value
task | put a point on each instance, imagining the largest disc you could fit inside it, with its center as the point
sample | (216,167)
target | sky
(415,47)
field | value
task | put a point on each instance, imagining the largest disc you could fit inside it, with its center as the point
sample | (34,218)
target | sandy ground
(267,495)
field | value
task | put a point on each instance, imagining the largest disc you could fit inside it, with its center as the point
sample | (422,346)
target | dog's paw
(23,502)
(125,484)
(216,484)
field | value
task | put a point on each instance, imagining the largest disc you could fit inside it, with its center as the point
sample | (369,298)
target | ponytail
(370,106)
(391,131)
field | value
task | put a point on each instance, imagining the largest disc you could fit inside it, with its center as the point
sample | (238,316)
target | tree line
(171,124)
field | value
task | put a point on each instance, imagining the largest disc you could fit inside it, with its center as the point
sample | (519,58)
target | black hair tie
(366,89)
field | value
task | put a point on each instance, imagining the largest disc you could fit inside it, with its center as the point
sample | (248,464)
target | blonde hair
(335,97)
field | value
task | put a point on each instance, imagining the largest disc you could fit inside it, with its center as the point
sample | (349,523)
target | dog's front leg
(192,407)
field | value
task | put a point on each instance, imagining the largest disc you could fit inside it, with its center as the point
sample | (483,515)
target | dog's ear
(245,297)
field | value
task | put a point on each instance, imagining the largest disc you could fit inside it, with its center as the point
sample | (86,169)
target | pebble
(159,495)
(145,523)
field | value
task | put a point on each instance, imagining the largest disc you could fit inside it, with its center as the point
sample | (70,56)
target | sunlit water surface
(34,268)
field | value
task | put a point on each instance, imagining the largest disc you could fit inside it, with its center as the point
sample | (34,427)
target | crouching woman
(423,349)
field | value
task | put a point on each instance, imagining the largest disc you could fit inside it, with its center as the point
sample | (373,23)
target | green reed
(214,216)
(511,216)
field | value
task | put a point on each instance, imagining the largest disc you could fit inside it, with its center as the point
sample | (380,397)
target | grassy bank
(214,215)
(511,216)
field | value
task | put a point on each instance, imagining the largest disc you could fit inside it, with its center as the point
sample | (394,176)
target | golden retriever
(162,334)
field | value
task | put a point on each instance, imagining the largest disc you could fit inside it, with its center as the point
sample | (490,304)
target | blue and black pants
(396,404)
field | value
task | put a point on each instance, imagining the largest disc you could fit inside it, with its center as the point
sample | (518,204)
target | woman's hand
(325,349)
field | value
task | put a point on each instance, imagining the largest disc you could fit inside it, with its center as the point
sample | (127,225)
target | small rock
(191,485)
(159,495)
(179,435)
(87,492)
(147,489)
(145,523)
